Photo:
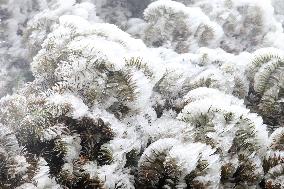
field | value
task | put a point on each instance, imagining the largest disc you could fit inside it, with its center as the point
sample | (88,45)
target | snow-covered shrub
(167,163)
(105,111)
(274,161)
(98,73)
(223,122)
(51,115)
(62,144)
(266,76)
(245,24)
(234,141)
(171,24)
(25,25)
(44,22)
